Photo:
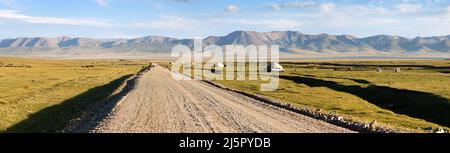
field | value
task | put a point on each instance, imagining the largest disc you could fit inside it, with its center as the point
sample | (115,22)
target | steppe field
(45,95)
(415,98)
(409,95)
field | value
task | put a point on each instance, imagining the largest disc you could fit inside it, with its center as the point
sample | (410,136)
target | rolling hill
(289,41)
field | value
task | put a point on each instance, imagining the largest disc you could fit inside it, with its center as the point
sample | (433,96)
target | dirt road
(162,104)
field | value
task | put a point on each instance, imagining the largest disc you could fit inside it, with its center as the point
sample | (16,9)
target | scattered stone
(440,130)
(373,125)
(429,129)
(350,68)
(327,117)
(289,105)
(87,66)
(379,70)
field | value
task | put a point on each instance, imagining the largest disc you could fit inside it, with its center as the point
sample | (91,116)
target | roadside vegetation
(43,95)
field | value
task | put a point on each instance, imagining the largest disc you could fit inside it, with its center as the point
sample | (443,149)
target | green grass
(66,87)
(418,97)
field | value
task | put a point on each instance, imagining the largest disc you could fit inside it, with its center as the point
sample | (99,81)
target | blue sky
(201,18)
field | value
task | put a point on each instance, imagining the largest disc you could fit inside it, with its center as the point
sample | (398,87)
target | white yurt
(274,67)
(219,65)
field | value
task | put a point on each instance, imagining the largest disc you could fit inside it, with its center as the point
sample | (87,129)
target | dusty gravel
(160,104)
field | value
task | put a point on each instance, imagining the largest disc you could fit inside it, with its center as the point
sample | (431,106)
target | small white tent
(219,65)
(274,67)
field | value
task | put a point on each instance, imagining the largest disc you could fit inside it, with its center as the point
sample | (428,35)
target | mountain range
(289,41)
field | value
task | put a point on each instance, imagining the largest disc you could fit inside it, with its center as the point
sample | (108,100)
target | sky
(202,18)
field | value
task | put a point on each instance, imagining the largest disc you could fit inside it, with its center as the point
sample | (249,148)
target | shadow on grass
(58,117)
(370,65)
(354,80)
(444,71)
(427,106)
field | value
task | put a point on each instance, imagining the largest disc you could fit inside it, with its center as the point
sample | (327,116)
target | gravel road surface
(160,104)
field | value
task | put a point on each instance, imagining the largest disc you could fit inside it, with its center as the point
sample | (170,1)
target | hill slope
(289,41)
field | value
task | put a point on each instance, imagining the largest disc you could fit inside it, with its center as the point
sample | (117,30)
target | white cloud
(327,7)
(232,9)
(365,20)
(7,1)
(275,24)
(291,5)
(169,23)
(102,3)
(345,17)
(409,8)
(181,23)
(17,16)
(328,18)
(365,10)
(281,24)
(438,20)
(183,1)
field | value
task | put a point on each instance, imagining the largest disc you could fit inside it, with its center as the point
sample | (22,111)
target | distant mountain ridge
(289,41)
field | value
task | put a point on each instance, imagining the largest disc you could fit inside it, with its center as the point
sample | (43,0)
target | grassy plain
(44,95)
(414,99)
